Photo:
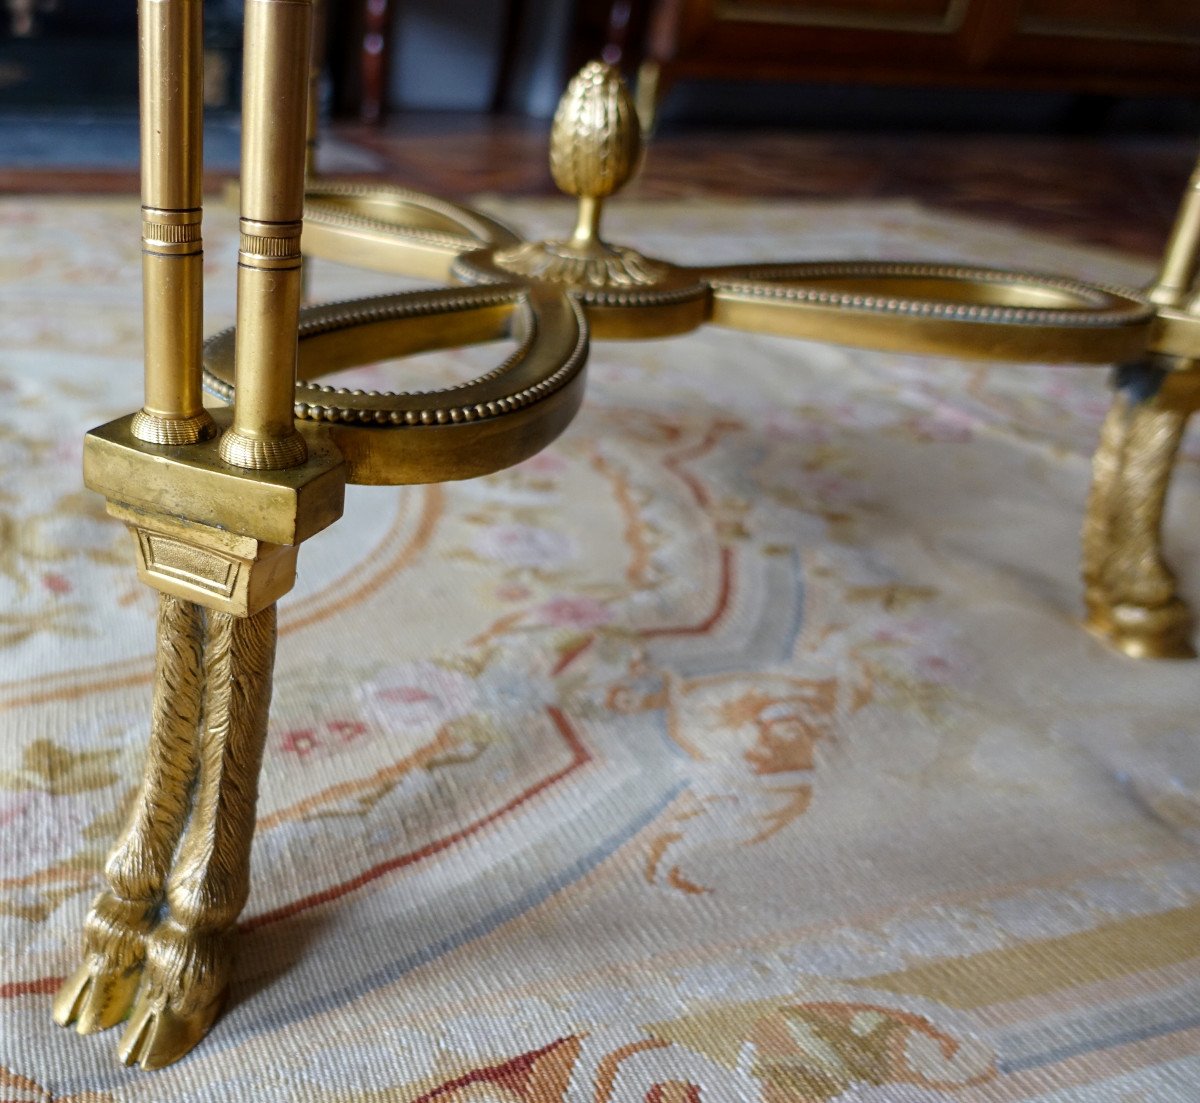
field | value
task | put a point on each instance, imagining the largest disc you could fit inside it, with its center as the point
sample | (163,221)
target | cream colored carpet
(743,746)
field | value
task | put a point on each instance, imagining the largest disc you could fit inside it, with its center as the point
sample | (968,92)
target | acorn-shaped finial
(594,147)
(596,139)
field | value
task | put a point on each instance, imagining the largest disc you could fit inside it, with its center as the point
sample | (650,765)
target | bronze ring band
(945,310)
(473,428)
(394,230)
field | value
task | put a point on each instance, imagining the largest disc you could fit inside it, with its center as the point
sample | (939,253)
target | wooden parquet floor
(1116,191)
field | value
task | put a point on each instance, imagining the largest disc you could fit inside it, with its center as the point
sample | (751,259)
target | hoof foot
(183,991)
(1143,633)
(101,991)
(94,997)
(157,1035)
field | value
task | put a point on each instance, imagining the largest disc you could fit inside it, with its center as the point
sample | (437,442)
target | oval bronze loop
(472,428)
(943,309)
(394,230)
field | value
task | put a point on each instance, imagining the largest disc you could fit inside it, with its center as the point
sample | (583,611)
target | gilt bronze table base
(219,503)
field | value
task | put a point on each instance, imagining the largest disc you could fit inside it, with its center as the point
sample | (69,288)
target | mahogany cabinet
(1117,47)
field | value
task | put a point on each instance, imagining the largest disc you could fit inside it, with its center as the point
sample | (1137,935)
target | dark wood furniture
(372,26)
(1110,47)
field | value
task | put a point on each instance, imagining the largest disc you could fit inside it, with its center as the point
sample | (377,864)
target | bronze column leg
(1130,591)
(189,954)
(278,47)
(170,61)
(316,67)
(99,993)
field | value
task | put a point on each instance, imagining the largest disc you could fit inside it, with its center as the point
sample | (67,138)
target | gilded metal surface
(172,103)
(595,145)
(194,485)
(485,424)
(158,940)
(277,56)
(393,229)
(1177,276)
(967,312)
(1129,590)
(595,140)
(676,302)
(646,94)
(101,991)
(949,310)
(189,951)
(557,262)
(1175,335)
(954,310)
(217,540)
(221,571)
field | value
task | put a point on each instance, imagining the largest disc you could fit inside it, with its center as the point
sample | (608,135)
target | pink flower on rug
(300,742)
(930,649)
(420,695)
(41,829)
(574,612)
(938,669)
(787,426)
(546,462)
(829,489)
(524,546)
(323,741)
(946,424)
(57,583)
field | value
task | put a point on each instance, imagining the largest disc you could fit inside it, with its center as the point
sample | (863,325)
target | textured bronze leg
(189,954)
(98,995)
(1130,591)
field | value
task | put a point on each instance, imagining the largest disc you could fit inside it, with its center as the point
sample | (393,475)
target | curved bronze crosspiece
(956,310)
(459,432)
(219,503)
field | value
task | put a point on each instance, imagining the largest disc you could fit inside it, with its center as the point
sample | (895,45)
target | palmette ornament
(219,503)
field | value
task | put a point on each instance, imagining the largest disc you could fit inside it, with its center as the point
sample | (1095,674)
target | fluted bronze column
(278,51)
(171,63)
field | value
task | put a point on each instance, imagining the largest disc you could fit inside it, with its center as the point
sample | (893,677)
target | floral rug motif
(741,747)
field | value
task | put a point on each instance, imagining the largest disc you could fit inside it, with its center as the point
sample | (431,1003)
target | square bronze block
(191,484)
(207,532)
(231,574)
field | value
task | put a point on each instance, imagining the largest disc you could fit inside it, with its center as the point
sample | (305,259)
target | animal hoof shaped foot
(1142,632)
(94,998)
(158,1035)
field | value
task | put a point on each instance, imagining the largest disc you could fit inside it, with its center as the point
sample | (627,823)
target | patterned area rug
(743,746)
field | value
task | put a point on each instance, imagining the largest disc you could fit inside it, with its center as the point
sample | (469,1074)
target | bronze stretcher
(219,502)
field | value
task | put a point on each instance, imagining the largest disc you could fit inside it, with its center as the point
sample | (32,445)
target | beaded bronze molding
(1099,305)
(529,375)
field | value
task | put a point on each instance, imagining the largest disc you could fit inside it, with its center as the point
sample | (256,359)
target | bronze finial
(595,143)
